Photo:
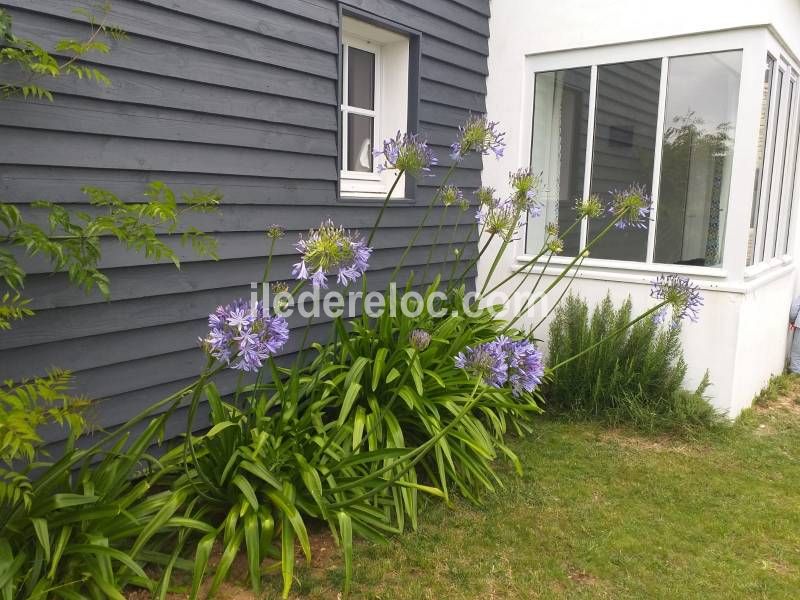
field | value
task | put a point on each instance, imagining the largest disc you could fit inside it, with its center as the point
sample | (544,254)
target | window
(374,104)
(666,124)
(777,162)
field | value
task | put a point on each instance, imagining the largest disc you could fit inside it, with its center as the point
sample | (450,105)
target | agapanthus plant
(243,336)
(331,248)
(478,135)
(486,361)
(591,207)
(406,153)
(503,361)
(419,339)
(451,195)
(525,186)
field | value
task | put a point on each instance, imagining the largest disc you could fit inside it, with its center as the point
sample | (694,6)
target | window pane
(560,121)
(359,143)
(699,121)
(624,142)
(785,228)
(762,147)
(782,200)
(360,78)
(767,207)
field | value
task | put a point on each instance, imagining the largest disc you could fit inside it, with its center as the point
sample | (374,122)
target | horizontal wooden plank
(441,114)
(451,74)
(69,323)
(151,22)
(92,353)
(433,26)
(51,291)
(27,183)
(324,11)
(32,146)
(432,91)
(454,12)
(84,115)
(154,57)
(479,6)
(154,90)
(259,18)
(445,51)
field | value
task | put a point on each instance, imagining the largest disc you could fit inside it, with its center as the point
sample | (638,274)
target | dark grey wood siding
(238,95)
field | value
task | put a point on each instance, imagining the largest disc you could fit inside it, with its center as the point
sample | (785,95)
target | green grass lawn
(605,514)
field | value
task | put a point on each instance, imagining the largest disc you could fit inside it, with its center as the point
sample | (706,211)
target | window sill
(764,268)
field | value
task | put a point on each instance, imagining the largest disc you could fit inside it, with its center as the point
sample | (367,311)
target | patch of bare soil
(325,555)
(661,443)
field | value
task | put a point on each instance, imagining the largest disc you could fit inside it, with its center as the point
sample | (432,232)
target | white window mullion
(654,192)
(766,190)
(587,173)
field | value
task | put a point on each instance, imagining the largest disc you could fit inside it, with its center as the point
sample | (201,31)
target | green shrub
(634,377)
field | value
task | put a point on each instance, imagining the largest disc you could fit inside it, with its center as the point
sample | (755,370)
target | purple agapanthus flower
(632,206)
(331,248)
(451,195)
(244,336)
(526,191)
(480,135)
(503,361)
(525,364)
(406,152)
(680,294)
(486,361)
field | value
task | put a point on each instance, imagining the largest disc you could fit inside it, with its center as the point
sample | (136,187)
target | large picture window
(665,124)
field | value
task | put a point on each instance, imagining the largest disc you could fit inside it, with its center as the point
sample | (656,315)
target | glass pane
(624,143)
(783,201)
(359,143)
(762,147)
(770,174)
(784,247)
(360,78)
(699,121)
(560,122)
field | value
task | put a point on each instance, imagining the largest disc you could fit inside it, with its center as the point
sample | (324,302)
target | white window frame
(752,43)
(390,106)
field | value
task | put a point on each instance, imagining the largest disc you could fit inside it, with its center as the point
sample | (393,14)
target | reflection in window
(697,152)
(560,121)
(626,120)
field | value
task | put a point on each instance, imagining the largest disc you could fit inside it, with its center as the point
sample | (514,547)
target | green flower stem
(431,248)
(265,276)
(611,335)
(415,455)
(560,297)
(579,257)
(188,448)
(532,261)
(475,260)
(449,252)
(424,220)
(383,207)
(451,278)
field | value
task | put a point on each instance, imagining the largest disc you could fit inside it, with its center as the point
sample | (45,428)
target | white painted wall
(741,337)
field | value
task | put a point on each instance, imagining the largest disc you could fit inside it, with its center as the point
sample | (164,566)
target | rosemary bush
(633,377)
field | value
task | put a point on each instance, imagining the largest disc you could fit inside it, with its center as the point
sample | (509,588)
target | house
(698,103)
(275,103)
(278,103)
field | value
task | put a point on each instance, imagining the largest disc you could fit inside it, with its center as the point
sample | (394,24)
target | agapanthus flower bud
(551,229)
(406,152)
(451,194)
(331,248)
(591,207)
(275,232)
(555,245)
(244,336)
(485,195)
(419,339)
(632,206)
(500,219)
(681,295)
(479,135)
